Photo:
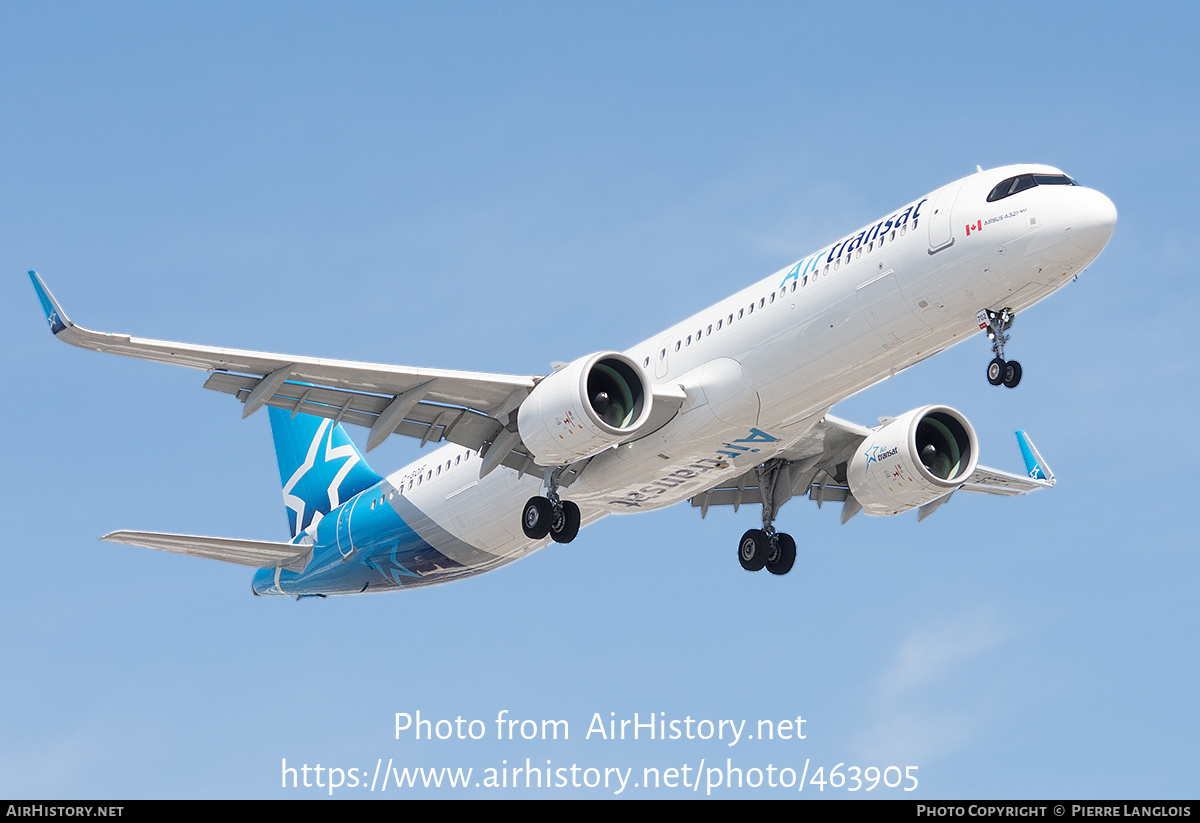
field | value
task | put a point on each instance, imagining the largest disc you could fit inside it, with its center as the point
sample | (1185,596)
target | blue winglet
(54,314)
(1035,464)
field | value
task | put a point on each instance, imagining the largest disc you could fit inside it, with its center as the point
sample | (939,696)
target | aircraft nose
(1093,221)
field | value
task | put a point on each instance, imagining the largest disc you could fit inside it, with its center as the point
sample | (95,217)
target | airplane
(730,407)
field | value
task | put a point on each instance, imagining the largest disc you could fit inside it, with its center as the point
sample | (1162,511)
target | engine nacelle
(584,408)
(913,460)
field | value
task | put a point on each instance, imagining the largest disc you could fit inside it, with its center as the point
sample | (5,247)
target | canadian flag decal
(976,226)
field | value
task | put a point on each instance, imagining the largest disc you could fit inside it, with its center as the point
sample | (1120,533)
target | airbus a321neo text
(729,407)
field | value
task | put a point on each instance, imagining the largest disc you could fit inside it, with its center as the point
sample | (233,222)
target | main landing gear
(774,551)
(549,515)
(997,324)
(765,547)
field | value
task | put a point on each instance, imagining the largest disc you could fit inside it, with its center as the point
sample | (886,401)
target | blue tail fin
(319,466)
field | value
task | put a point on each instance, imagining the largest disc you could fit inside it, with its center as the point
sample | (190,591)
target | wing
(467,408)
(472,409)
(815,465)
(993,481)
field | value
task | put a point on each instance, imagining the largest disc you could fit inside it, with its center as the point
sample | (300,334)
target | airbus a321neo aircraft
(729,407)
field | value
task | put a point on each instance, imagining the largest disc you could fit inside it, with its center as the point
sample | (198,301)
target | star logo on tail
(318,462)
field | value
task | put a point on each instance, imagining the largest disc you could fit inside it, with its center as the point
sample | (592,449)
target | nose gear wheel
(997,324)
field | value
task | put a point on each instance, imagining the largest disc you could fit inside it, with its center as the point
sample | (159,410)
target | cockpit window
(1053,180)
(1027,181)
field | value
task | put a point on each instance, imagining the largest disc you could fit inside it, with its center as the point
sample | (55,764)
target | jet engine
(913,460)
(584,408)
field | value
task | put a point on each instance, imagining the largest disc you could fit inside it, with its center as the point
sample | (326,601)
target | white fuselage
(762,367)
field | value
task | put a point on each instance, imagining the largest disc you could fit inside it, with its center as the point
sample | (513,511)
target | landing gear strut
(550,515)
(766,547)
(997,324)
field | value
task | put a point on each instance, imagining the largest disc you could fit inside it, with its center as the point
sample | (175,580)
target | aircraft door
(941,234)
(345,543)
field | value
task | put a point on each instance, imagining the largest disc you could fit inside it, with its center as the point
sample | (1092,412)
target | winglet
(55,316)
(1035,464)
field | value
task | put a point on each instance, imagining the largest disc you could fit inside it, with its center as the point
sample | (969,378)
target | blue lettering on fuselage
(733,448)
(854,241)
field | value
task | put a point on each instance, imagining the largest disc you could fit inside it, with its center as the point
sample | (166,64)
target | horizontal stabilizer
(261,554)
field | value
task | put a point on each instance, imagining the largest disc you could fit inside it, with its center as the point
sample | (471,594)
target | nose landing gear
(997,324)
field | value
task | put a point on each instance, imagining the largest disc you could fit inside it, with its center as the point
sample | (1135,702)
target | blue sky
(494,187)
